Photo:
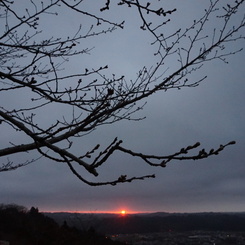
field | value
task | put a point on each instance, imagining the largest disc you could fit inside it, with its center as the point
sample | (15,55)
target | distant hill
(153,222)
(19,226)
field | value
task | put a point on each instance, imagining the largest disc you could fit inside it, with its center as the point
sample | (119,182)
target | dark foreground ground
(19,226)
(155,222)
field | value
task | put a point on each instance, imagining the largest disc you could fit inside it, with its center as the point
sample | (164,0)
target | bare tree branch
(34,64)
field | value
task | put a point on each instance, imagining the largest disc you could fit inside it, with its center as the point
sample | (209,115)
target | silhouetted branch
(33,62)
(12,166)
(180,155)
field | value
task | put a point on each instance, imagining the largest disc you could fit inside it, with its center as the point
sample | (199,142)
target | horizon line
(134,212)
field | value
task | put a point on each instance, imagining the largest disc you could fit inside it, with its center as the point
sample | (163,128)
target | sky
(212,114)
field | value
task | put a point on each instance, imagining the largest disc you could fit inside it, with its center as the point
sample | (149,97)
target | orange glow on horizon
(120,212)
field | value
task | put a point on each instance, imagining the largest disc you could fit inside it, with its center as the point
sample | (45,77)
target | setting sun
(123,212)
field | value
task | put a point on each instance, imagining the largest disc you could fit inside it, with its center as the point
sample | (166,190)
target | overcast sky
(212,113)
